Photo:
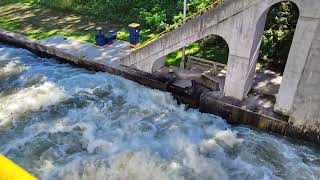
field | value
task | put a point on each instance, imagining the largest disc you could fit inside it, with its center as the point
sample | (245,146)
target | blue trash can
(134,34)
(110,37)
(100,38)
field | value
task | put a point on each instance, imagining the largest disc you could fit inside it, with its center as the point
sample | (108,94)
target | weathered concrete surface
(107,54)
(306,108)
(241,24)
(267,82)
(236,115)
(184,94)
(298,55)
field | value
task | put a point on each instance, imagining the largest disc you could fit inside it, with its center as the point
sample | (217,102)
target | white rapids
(62,122)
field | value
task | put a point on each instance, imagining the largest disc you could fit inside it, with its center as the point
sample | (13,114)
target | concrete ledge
(236,115)
(38,48)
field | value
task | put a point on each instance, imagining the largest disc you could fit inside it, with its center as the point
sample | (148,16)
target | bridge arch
(286,61)
(212,47)
(265,8)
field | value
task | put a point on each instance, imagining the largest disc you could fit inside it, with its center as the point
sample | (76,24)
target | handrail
(214,66)
(206,61)
(11,171)
(178,24)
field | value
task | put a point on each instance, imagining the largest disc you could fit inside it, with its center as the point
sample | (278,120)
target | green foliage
(154,20)
(276,42)
(155,15)
(212,48)
(39,34)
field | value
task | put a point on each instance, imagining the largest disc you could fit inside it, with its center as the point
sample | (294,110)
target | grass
(176,57)
(145,35)
(41,33)
(38,22)
(197,49)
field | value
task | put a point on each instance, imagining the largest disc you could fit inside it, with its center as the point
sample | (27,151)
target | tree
(279,31)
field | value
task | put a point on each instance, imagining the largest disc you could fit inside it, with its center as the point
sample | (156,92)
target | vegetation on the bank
(155,16)
(38,22)
(279,31)
(211,48)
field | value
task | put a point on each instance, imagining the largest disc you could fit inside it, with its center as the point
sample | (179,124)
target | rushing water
(62,122)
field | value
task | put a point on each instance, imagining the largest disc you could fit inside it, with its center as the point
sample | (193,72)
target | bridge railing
(204,64)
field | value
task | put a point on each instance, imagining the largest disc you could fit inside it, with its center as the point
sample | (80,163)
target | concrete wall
(159,64)
(306,107)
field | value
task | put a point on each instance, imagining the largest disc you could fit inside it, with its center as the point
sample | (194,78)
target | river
(62,122)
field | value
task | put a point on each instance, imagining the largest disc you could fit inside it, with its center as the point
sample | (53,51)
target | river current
(62,122)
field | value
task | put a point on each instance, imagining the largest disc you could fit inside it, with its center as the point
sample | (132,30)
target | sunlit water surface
(62,122)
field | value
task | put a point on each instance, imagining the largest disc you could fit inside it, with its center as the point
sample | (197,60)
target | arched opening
(279,31)
(275,46)
(206,57)
(212,48)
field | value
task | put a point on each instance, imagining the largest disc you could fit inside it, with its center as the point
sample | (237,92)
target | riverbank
(195,97)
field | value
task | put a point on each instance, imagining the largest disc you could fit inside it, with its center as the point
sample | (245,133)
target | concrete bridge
(241,23)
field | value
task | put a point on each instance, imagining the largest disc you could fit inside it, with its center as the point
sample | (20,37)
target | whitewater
(62,122)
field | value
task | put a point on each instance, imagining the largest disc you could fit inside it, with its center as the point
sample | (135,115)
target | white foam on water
(229,138)
(10,69)
(192,158)
(141,165)
(27,100)
(132,165)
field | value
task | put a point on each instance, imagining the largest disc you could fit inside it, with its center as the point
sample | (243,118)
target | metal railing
(214,67)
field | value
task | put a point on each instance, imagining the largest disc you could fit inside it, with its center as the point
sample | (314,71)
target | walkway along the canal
(98,59)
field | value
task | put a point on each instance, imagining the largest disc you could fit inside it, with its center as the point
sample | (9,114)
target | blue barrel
(134,34)
(100,38)
(110,37)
